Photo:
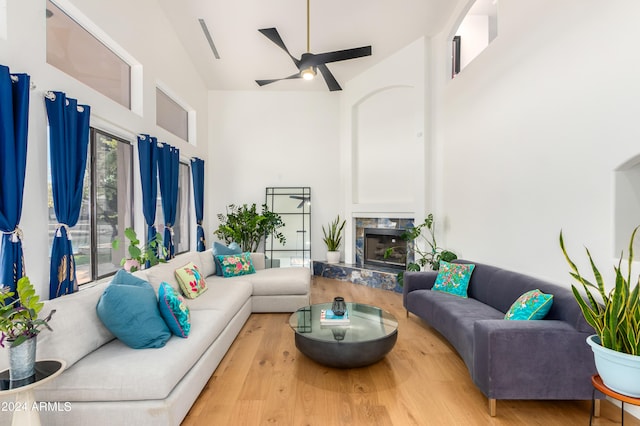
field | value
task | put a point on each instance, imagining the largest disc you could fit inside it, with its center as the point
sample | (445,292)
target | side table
(598,384)
(23,412)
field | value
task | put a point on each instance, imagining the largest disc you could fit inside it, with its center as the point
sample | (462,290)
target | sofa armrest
(422,280)
(258,261)
(544,359)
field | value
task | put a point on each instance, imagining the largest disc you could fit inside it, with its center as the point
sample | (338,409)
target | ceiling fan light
(308,73)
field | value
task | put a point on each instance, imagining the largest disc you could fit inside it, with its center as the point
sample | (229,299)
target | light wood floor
(264,380)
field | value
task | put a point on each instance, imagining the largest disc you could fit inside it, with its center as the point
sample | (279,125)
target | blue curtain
(68,146)
(168,167)
(148,157)
(197,173)
(14,115)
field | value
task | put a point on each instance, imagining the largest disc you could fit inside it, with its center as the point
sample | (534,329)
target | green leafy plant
(432,255)
(245,226)
(19,316)
(616,316)
(333,237)
(153,252)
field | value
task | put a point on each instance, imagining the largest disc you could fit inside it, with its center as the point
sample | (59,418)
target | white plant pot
(620,372)
(333,256)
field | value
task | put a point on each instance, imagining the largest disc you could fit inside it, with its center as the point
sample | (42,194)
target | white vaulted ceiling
(247,55)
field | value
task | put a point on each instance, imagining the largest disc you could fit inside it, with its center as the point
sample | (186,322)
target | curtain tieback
(16,234)
(65,226)
(170,228)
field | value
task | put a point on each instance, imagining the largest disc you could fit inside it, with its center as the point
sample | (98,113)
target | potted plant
(333,239)
(246,227)
(20,325)
(615,317)
(153,252)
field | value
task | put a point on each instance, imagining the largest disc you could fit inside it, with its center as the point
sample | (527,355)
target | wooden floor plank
(264,380)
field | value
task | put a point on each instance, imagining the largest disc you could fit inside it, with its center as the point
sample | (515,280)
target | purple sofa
(544,359)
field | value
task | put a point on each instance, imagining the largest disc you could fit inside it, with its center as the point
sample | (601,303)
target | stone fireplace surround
(358,273)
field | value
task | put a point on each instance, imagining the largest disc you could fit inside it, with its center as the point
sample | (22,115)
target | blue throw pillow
(533,305)
(174,310)
(220,249)
(453,278)
(129,309)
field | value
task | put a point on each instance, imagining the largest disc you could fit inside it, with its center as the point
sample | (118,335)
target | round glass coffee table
(370,335)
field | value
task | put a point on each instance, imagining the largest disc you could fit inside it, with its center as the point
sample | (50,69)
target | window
(478,28)
(182,228)
(77,52)
(107,207)
(171,116)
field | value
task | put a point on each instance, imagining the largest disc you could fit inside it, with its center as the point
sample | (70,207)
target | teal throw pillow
(129,309)
(533,305)
(174,310)
(453,278)
(220,249)
(234,265)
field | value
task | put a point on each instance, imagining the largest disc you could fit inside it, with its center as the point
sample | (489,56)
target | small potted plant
(20,325)
(152,252)
(333,239)
(615,317)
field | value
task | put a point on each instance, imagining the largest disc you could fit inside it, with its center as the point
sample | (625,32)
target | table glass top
(44,369)
(366,323)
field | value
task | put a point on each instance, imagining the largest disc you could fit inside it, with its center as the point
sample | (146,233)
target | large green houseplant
(245,226)
(615,316)
(432,254)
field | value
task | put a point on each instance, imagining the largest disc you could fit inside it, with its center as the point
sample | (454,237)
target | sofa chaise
(537,359)
(109,383)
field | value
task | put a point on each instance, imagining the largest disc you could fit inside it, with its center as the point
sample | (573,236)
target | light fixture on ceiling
(207,35)
(308,73)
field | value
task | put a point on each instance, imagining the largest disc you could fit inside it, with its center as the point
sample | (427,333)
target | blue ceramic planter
(620,372)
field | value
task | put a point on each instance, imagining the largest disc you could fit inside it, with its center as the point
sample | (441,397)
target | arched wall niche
(385,125)
(626,204)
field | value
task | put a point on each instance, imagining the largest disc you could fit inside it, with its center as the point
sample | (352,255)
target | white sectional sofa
(108,383)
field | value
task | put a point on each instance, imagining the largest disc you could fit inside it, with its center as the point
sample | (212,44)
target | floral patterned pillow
(533,305)
(234,265)
(174,310)
(453,278)
(191,282)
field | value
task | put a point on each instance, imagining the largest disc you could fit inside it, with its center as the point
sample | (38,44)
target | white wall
(474,37)
(384,158)
(531,131)
(268,138)
(145,33)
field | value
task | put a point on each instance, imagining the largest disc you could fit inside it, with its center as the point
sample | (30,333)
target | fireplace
(378,241)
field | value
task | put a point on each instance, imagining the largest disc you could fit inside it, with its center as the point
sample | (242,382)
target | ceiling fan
(303,199)
(309,63)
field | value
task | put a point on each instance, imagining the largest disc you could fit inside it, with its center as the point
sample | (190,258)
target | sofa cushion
(234,265)
(174,310)
(164,272)
(75,316)
(279,281)
(207,264)
(117,373)
(453,278)
(219,249)
(532,305)
(191,281)
(129,309)
(222,296)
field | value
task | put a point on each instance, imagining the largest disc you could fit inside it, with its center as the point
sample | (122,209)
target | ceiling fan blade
(273,35)
(342,55)
(265,82)
(331,81)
